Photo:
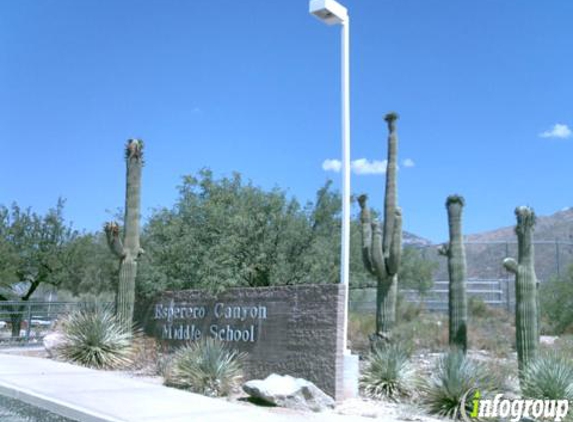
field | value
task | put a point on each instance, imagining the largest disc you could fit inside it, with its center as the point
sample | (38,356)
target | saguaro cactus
(526,321)
(128,251)
(381,251)
(456,254)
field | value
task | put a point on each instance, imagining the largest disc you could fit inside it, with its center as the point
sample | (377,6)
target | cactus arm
(395,255)
(390,199)
(510,265)
(378,261)
(114,242)
(366,224)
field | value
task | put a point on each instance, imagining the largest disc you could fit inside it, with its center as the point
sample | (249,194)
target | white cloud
(331,165)
(408,162)
(557,131)
(364,166)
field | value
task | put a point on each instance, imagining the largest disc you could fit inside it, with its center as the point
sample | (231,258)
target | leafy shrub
(455,379)
(427,333)
(556,301)
(387,373)
(408,311)
(550,376)
(206,367)
(477,308)
(360,327)
(95,339)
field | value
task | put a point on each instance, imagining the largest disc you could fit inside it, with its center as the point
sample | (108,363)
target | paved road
(97,396)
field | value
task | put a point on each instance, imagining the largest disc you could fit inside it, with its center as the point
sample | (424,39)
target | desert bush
(408,311)
(550,376)
(556,302)
(427,333)
(388,372)
(493,334)
(477,308)
(206,367)
(360,327)
(562,345)
(95,339)
(455,379)
(147,352)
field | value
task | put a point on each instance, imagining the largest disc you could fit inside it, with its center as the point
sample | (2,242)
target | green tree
(417,272)
(35,250)
(223,233)
(95,269)
(556,303)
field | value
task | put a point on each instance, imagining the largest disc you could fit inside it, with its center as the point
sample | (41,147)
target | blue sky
(253,86)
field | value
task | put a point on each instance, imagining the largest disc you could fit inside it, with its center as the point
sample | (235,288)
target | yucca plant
(206,367)
(387,373)
(549,376)
(95,339)
(453,383)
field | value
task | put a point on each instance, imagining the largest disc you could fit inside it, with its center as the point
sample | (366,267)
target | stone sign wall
(295,330)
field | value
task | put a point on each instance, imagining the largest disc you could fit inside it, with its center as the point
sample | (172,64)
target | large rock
(290,392)
(52,341)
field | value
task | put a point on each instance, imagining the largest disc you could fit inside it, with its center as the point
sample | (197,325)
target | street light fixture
(328,11)
(332,13)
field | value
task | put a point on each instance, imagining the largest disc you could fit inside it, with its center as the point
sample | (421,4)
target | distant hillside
(410,239)
(558,226)
(485,251)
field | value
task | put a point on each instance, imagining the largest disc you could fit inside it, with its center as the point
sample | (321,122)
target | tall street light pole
(333,13)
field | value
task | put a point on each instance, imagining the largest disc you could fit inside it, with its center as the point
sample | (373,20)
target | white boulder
(289,392)
(52,341)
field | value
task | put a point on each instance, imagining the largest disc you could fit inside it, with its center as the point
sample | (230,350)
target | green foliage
(207,367)
(416,271)
(456,378)
(478,308)
(224,233)
(34,249)
(549,376)
(388,373)
(556,299)
(95,268)
(95,339)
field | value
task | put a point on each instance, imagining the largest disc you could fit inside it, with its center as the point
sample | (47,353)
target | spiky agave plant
(388,373)
(548,376)
(453,384)
(95,339)
(207,367)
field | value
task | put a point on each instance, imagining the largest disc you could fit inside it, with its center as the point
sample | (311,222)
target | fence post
(29,321)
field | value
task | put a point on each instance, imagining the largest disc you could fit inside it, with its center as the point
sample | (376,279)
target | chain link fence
(27,322)
(487,279)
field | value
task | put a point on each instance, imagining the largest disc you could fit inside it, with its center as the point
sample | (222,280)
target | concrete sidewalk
(98,396)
